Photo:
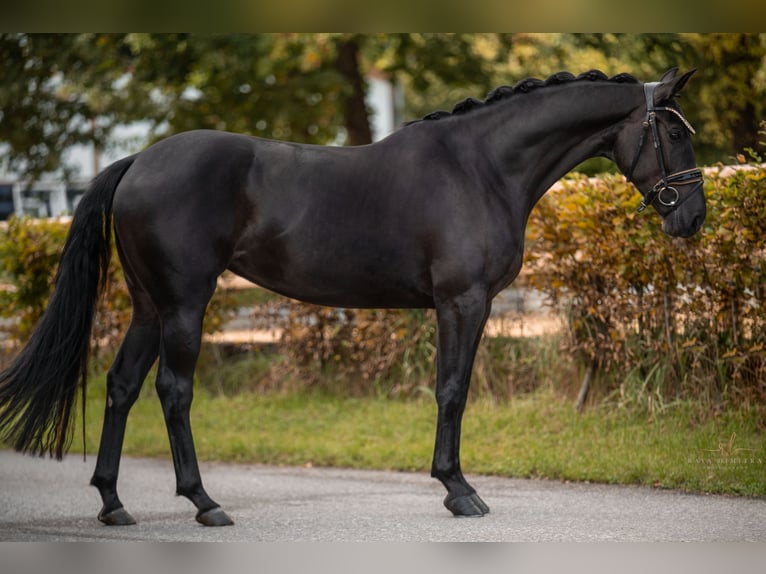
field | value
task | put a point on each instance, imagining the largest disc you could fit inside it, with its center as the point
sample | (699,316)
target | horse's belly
(336,282)
(343,291)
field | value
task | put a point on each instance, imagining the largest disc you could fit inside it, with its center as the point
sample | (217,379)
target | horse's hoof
(116,517)
(214,517)
(466,505)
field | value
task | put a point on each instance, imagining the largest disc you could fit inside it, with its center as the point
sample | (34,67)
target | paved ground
(43,500)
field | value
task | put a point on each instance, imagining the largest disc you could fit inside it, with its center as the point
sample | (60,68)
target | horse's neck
(537,138)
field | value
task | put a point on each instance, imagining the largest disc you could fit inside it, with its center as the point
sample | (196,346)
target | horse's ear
(669,88)
(669,75)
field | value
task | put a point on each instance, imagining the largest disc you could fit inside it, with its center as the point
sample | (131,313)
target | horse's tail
(38,390)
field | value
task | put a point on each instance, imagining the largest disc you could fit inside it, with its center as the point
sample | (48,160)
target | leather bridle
(663,191)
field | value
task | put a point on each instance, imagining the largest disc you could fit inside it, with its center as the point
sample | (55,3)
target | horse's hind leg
(181,339)
(134,359)
(461,321)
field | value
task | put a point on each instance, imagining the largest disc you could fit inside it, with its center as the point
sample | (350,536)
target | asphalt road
(44,500)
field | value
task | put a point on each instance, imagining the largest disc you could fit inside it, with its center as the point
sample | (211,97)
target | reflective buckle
(673,201)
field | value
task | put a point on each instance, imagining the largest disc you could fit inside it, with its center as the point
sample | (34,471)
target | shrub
(29,253)
(662,318)
(363,351)
(684,316)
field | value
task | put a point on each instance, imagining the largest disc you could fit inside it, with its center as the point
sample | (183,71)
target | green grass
(537,435)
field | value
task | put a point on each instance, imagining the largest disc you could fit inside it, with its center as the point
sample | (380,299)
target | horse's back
(181,164)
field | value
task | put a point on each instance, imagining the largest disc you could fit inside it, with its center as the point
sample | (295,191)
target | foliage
(729,92)
(282,86)
(392,353)
(37,121)
(275,86)
(382,351)
(683,318)
(64,89)
(725,100)
(29,253)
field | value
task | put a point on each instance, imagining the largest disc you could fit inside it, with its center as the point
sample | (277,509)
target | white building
(53,196)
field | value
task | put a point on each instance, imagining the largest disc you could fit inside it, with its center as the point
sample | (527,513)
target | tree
(39,117)
(731,88)
(270,85)
(63,89)
(726,97)
(438,70)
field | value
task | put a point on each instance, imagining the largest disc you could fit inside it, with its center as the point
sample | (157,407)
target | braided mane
(524,87)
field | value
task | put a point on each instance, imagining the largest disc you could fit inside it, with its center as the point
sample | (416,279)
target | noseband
(663,191)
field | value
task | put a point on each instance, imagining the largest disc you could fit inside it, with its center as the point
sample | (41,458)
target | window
(36,202)
(73,196)
(6,201)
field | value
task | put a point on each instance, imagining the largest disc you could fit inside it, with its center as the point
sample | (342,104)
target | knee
(452,395)
(120,392)
(173,393)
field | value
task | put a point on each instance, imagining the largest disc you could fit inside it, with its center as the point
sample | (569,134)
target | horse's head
(654,151)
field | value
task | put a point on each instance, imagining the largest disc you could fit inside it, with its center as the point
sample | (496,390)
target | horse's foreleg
(461,321)
(136,356)
(181,339)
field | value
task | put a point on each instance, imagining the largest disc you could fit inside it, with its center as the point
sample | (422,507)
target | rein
(663,191)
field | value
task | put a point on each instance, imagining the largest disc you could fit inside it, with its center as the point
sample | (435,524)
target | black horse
(432,216)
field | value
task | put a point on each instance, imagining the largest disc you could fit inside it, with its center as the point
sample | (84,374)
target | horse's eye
(675,135)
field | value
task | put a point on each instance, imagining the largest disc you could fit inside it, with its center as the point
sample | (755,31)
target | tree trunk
(354,106)
(745,63)
(583,395)
(745,130)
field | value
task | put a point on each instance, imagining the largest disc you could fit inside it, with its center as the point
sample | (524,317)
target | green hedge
(674,317)
(29,253)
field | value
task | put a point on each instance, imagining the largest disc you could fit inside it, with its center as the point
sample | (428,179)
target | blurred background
(71,103)
(660,344)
